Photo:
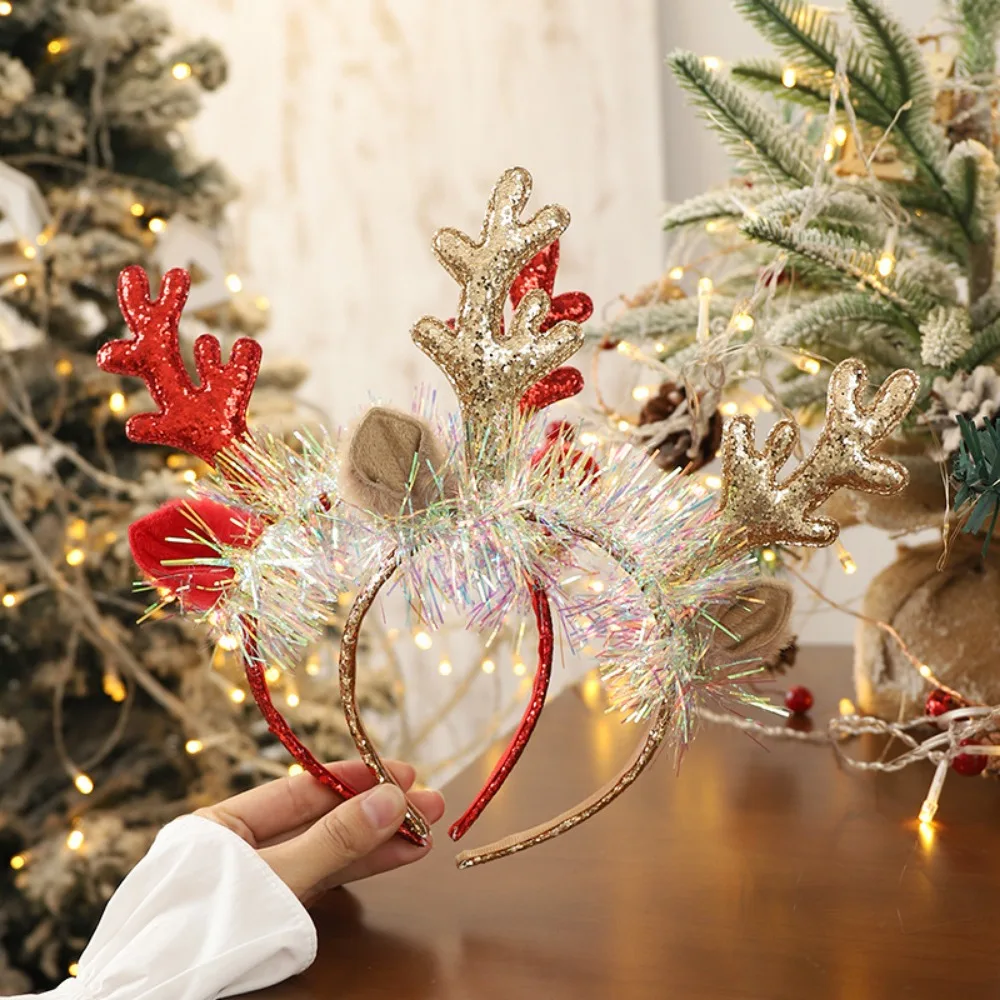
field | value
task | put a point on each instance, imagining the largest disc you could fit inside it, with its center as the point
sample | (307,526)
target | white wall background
(358,127)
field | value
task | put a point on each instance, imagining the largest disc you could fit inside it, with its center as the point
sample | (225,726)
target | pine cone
(674,451)
(974,395)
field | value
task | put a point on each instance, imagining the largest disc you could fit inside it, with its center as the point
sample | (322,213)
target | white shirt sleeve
(201,916)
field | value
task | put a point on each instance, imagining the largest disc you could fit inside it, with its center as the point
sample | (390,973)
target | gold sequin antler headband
(496,513)
(490,370)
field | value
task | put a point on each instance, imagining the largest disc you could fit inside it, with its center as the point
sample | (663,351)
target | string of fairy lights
(967,719)
(84,541)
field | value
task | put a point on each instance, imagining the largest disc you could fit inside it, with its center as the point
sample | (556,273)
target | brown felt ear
(755,626)
(394,465)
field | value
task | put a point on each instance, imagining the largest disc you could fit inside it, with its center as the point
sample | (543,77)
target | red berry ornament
(798,700)
(940,701)
(969,764)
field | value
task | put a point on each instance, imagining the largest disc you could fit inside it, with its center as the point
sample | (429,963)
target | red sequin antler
(199,419)
(202,420)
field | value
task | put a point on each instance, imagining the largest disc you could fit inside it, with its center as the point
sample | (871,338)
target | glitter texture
(532,713)
(490,370)
(512,515)
(199,419)
(843,456)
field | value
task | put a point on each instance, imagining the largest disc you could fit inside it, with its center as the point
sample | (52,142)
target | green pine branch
(810,89)
(902,69)
(674,321)
(807,36)
(729,203)
(756,138)
(807,324)
(985,347)
(977,476)
(841,209)
(979,27)
(840,258)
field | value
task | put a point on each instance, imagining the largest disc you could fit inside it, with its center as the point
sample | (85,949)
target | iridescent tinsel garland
(672,558)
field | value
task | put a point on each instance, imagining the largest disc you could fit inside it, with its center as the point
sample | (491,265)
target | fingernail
(384,806)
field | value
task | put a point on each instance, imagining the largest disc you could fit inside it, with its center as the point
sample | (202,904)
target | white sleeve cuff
(201,916)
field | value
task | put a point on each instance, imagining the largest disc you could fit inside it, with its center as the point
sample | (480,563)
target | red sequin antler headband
(491,512)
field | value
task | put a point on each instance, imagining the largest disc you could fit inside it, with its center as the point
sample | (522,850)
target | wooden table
(759,873)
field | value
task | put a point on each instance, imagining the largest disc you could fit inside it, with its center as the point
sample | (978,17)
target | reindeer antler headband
(487,511)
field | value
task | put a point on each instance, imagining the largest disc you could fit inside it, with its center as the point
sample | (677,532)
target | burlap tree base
(948,618)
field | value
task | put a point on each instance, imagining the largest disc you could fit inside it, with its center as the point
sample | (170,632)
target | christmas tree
(107,730)
(859,223)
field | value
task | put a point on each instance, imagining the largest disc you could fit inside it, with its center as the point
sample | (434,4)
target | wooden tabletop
(760,872)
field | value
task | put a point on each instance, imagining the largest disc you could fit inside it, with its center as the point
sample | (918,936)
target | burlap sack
(949,618)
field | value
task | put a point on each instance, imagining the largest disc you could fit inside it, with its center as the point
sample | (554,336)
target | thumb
(344,835)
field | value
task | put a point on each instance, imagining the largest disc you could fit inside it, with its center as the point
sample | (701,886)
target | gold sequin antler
(844,456)
(490,369)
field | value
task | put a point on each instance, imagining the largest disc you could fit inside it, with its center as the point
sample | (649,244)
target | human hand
(314,840)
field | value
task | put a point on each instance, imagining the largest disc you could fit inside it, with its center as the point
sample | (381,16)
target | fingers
(341,838)
(403,773)
(274,811)
(396,852)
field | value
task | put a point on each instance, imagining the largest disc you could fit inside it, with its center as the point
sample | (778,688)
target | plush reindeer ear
(172,548)
(759,622)
(394,465)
